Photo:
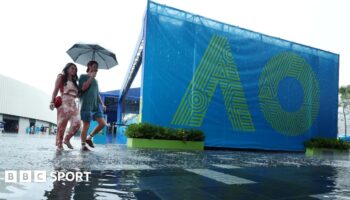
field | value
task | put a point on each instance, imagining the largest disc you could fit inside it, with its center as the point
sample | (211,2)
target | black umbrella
(83,53)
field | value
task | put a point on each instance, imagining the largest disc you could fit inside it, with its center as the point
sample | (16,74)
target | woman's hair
(90,63)
(65,75)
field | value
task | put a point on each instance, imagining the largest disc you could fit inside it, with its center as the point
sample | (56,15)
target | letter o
(279,67)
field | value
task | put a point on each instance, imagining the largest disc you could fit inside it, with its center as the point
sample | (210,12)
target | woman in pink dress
(66,83)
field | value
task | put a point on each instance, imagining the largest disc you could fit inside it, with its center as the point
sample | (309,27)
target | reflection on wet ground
(121,173)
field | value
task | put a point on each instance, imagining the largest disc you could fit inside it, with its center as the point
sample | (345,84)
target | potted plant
(146,135)
(321,146)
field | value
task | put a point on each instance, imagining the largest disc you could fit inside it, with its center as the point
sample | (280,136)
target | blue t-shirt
(89,98)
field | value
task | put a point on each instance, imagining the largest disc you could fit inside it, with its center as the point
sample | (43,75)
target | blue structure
(111,99)
(242,88)
(131,108)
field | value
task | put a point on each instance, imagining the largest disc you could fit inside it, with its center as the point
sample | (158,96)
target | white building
(23,106)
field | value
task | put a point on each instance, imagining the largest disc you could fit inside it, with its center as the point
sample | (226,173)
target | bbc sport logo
(39,176)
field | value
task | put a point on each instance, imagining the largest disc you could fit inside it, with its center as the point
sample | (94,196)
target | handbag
(58,101)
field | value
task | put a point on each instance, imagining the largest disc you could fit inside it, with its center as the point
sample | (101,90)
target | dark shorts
(87,116)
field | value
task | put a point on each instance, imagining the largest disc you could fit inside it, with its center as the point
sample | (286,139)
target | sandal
(59,148)
(89,142)
(69,145)
(84,148)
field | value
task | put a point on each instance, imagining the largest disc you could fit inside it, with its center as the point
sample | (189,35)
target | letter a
(217,67)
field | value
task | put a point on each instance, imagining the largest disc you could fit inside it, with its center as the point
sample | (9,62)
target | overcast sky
(35,34)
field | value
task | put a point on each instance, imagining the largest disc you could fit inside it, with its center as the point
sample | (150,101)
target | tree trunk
(344,120)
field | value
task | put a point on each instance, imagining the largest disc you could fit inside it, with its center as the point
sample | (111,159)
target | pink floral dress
(67,112)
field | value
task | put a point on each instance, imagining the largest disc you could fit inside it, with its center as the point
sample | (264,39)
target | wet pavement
(121,173)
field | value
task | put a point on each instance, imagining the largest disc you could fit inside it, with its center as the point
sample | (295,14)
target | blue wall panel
(242,88)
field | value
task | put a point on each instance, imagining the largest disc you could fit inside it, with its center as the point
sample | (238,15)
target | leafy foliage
(344,92)
(149,131)
(327,143)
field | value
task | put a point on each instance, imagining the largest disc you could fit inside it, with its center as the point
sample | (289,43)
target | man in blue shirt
(90,109)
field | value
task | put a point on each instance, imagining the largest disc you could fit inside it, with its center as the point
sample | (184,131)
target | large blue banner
(242,88)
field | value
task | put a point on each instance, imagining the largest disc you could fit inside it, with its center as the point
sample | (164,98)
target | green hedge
(150,131)
(327,143)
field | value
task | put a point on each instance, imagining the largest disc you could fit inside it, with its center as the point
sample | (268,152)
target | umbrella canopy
(83,53)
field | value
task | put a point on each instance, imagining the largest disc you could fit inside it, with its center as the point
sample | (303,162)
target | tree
(344,92)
